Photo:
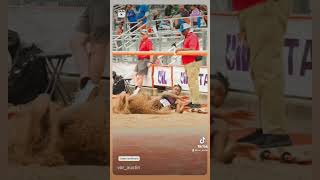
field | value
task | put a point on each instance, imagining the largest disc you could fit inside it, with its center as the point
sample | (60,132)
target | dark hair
(177,85)
(224,81)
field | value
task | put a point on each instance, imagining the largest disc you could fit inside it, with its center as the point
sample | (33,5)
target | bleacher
(162,38)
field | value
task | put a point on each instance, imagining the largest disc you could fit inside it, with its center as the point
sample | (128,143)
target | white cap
(184,26)
(144,31)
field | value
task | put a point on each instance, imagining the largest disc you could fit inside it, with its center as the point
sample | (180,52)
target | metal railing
(164,60)
(173,34)
(174,18)
(128,34)
(171,20)
(126,37)
(117,7)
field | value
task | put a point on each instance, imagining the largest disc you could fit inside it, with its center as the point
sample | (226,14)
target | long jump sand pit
(165,143)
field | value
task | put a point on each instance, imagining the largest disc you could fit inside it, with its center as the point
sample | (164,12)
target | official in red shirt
(263,24)
(144,61)
(192,66)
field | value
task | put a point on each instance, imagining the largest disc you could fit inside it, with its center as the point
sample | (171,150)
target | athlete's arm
(166,93)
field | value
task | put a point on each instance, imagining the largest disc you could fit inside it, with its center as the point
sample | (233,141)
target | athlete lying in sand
(224,149)
(171,99)
(144,104)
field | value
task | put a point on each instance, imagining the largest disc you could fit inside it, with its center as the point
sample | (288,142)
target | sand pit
(137,130)
(164,142)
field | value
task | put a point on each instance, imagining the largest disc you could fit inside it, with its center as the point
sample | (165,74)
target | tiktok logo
(202,147)
(202,140)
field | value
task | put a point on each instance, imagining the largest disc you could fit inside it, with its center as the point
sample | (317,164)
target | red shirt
(145,45)
(239,5)
(190,41)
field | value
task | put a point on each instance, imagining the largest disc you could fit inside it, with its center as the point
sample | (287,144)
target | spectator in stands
(195,13)
(92,28)
(132,17)
(204,13)
(171,10)
(144,61)
(119,32)
(183,12)
(143,13)
(168,11)
(120,29)
(263,25)
(156,16)
(191,63)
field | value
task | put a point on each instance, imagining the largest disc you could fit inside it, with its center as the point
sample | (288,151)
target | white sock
(136,91)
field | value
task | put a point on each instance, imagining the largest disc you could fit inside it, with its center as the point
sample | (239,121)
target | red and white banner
(180,77)
(164,76)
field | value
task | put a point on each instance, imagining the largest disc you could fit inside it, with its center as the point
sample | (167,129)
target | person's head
(220,89)
(181,8)
(203,7)
(144,34)
(155,12)
(192,7)
(185,28)
(129,6)
(177,89)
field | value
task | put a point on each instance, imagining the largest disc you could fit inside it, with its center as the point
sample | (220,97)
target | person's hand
(237,118)
(180,101)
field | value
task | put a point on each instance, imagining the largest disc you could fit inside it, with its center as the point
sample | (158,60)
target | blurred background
(300,7)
